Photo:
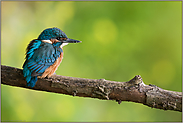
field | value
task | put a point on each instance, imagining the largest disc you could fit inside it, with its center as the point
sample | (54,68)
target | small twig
(134,90)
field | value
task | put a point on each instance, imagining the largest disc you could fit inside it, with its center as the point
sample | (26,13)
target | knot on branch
(135,82)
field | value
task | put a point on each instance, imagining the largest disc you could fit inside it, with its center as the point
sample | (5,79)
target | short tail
(32,82)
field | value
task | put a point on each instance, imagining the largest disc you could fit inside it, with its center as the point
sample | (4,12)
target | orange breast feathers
(51,70)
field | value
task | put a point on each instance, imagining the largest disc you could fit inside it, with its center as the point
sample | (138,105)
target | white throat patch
(63,44)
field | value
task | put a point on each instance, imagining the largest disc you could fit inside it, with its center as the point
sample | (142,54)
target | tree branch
(134,90)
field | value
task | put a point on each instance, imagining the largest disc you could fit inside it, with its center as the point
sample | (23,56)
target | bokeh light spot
(105,30)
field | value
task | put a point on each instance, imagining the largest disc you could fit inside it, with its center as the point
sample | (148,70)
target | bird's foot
(54,74)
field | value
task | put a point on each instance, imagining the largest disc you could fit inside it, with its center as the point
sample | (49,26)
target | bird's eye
(58,38)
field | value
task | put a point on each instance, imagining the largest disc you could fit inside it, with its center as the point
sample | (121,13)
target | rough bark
(134,90)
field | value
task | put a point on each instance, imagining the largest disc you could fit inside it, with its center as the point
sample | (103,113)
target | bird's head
(56,36)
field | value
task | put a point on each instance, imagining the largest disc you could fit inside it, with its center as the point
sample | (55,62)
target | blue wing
(39,57)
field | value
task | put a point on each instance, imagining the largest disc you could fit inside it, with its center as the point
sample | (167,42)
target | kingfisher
(44,54)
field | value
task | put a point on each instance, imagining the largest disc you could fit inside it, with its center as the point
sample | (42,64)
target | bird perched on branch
(45,54)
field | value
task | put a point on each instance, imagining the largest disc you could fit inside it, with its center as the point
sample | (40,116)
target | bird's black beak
(71,41)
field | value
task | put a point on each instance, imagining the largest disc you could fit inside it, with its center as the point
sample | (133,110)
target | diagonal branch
(134,90)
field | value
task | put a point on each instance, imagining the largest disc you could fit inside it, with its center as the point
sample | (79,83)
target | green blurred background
(119,40)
